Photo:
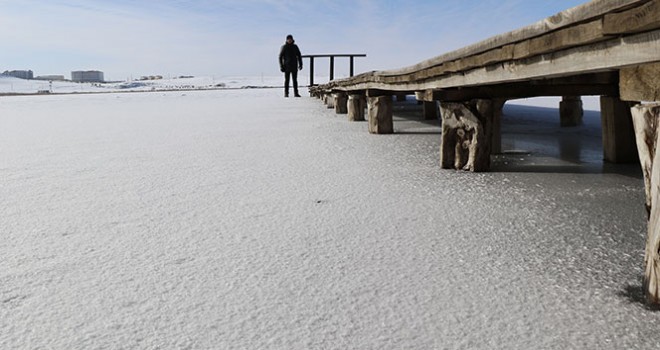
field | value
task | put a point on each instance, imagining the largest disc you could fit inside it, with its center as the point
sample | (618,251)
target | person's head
(289,39)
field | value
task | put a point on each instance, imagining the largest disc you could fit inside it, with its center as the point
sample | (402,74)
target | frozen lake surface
(241,220)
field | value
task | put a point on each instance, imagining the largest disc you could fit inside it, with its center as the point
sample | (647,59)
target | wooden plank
(579,35)
(426,96)
(597,84)
(522,90)
(582,34)
(639,19)
(489,57)
(640,83)
(573,36)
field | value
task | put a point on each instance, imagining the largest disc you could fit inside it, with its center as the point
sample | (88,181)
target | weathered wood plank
(513,91)
(640,83)
(579,85)
(646,119)
(642,18)
(582,34)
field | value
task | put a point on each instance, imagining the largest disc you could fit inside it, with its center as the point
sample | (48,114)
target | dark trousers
(287,75)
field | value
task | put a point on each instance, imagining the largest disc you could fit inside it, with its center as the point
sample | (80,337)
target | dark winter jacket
(290,57)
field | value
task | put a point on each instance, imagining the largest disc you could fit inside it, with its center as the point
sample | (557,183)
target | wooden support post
(570,111)
(646,119)
(340,102)
(496,137)
(380,114)
(430,109)
(355,108)
(618,132)
(329,101)
(466,135)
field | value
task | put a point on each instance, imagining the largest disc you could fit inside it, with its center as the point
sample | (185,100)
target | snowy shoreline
(7,94)
(10,86)
(18,87)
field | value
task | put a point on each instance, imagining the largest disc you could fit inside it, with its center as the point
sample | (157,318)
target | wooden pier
(607,48)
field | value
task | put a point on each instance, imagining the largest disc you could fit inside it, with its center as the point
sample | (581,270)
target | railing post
(311,71)
(332,64)
(351,65)
(332,68)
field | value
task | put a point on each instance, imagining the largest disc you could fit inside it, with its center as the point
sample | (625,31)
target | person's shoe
(296,95)
(286,94)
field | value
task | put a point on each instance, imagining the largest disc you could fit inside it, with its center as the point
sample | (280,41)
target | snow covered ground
(15,85)
(242,220)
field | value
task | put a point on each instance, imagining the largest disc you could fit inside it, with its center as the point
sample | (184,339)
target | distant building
(90,76)
(151,77)
(21,74)
(50,77)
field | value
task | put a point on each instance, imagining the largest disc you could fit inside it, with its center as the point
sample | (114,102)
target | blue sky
(242,37)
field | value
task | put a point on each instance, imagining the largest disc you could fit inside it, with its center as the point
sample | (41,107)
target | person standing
(290,64)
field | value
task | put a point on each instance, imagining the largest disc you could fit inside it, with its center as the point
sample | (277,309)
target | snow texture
(243,220)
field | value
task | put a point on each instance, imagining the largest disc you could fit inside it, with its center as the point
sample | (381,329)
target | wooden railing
(332,64)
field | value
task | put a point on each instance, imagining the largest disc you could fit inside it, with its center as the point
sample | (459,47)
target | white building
(22,74)
(50,77)
(90,76)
